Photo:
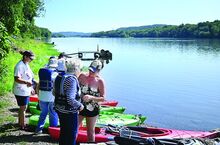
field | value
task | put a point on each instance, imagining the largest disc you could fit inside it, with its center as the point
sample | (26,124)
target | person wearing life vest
(47,76)
(67,105)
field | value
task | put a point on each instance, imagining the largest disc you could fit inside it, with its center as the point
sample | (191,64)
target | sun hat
(52,63)
(29,54)
(96,65)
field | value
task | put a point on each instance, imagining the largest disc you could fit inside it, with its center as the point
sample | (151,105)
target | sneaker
(38,132)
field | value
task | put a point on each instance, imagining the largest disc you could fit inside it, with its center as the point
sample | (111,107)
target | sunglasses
(30,58)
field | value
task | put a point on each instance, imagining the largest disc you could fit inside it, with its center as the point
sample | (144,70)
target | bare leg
(21,116)
(90,123)
(80,120)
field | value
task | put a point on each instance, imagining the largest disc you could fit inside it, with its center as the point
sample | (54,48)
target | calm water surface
(174,82)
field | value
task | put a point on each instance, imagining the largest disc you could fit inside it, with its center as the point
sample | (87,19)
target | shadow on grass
(28,138)
(13,109)
(9,127)
(11,133)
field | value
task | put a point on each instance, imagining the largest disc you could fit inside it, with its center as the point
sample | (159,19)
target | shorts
(85,112)
(22,100)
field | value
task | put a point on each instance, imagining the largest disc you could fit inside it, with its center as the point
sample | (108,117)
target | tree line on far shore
(201,30)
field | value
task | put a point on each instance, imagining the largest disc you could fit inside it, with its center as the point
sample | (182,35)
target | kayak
(141,117)
(115,109)
(100,134)
(109,103)
(116,119)
(168,133)
(126,140)
(33,109)
(34,98)
(106,133)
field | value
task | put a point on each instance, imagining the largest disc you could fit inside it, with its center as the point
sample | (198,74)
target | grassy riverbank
(42,51)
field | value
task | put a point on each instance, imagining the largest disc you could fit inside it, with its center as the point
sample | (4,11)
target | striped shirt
(70,89)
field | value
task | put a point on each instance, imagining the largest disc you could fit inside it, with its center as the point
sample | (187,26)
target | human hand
(87,98)
(32,92)
(81,108)
(29,84)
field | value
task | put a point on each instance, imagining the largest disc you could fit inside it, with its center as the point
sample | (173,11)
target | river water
(174,82)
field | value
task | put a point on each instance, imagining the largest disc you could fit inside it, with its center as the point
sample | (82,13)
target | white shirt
(47,96)
(24,72)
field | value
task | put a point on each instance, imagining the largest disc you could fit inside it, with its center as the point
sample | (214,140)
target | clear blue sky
(104,15)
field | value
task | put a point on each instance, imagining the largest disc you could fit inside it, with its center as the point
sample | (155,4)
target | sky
(104,15)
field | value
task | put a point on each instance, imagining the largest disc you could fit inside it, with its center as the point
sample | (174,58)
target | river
(174,82)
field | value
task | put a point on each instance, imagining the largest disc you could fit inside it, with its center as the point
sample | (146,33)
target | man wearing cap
(92,91)
(47,76)
(23,86)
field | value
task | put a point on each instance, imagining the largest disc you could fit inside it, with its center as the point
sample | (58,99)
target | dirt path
(11,134)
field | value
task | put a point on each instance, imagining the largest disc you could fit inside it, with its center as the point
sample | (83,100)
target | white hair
(73,66)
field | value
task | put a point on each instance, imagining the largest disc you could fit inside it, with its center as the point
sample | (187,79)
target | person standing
(22,87)
(92,92)
(66,89)
(61,68)
(47,76)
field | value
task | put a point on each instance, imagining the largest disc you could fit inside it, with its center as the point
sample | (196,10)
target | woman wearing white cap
(47,76)
(92,92)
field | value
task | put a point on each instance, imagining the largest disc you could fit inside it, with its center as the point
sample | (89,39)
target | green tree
(17,18)
(15,14)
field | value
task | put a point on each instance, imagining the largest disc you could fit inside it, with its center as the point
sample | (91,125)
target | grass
(42,51)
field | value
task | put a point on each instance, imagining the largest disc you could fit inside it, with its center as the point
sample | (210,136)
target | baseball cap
(96,65)
(29,54)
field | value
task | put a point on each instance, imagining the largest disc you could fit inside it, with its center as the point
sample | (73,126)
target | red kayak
(34,98)
(100,135)
(109,132)
(109,103)
(169,133)
(165,136)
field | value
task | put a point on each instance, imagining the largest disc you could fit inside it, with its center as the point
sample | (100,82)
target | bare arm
(21,81)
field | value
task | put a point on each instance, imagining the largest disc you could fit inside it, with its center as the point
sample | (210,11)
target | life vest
(46,81)
(60,95)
